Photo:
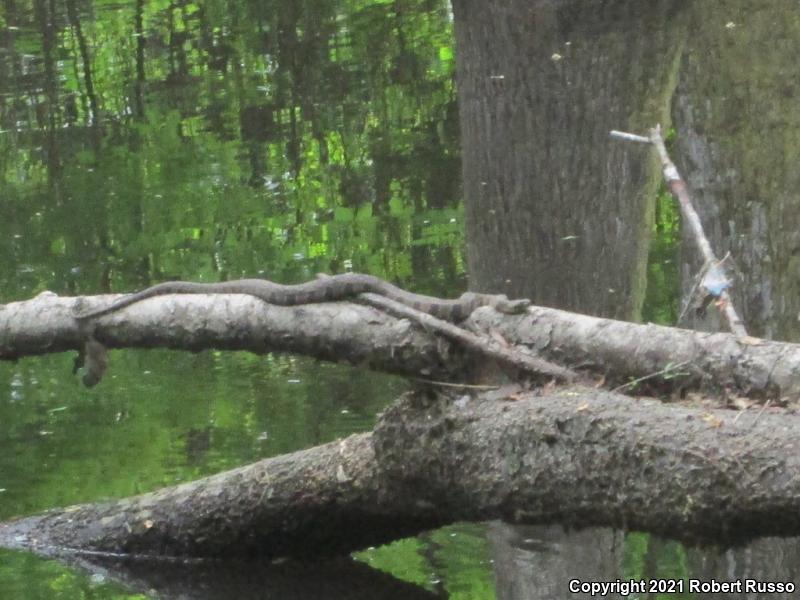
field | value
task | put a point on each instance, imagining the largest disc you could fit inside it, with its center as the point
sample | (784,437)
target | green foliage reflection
(208,140)
(663,275)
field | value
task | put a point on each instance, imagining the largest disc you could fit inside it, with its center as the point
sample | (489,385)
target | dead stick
(680,191)
(677,186)
(478,344)
(630,137)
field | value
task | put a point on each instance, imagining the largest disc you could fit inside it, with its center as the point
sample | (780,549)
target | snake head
(499,302)
(511,307)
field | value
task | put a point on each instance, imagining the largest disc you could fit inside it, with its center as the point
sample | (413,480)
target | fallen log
(672,359)
(345,332)
(576,456)
(339,331)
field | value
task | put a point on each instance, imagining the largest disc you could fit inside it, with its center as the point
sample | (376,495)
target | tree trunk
(540,85)
(738,120)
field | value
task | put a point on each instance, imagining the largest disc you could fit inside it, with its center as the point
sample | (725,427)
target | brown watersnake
(326,289)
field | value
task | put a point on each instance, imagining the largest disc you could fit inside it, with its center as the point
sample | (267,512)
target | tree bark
(576,456)
(737,122)
(615,350)
(338,332)
(540,84)
(672,359)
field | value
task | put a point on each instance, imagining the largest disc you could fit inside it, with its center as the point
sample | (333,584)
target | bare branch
(715,282)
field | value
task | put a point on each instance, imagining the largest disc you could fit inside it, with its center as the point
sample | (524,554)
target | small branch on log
(680,191)
(576,456)
(672,370)
(480,345)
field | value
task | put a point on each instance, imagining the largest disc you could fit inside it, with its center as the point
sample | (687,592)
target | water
(142,142)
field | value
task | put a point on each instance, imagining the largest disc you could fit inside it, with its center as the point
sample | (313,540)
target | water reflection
(209,140)
(243,580)
(539,562)
(143,142)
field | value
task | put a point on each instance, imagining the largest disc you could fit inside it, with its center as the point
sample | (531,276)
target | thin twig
(468,386)
(663,371)
(761,412)
(690,296)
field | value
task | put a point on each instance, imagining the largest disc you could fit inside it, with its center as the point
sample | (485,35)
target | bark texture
(737,117)
(338,332)
(541,84)
(712,362)
(575,456)
(342,331)
(581,457)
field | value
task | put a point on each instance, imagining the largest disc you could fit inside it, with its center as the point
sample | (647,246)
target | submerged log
(576,456)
